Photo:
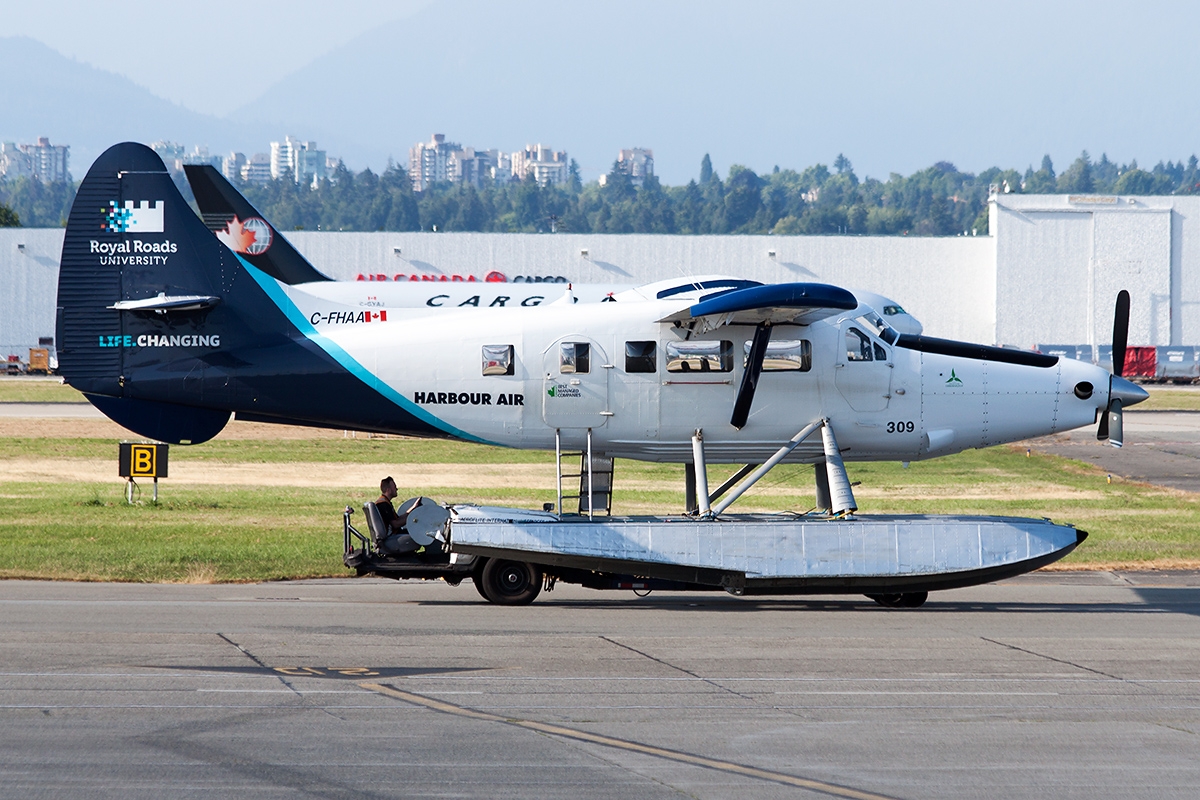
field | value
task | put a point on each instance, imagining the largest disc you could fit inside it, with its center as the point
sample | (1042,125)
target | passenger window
(575,358)
(784,356)
(640,357)
(498,359)
(880,353)
(858,346)
(700,356)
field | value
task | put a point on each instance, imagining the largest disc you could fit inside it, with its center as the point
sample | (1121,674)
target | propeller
(1120,391)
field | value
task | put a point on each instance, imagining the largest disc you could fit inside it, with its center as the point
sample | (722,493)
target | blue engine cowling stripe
(278,296)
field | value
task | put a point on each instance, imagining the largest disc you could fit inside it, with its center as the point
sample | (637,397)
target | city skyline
(895,88)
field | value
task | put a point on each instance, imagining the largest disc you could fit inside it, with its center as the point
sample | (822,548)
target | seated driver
(397,542)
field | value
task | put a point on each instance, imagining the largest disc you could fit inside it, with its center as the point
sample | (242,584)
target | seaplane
(173,323)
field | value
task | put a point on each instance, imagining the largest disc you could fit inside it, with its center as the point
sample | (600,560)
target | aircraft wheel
(901,600)
(510,583)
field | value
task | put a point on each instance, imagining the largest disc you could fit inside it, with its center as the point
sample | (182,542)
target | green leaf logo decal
(954,380)
(550,391)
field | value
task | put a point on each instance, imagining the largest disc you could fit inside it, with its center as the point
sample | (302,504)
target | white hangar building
(1048,273)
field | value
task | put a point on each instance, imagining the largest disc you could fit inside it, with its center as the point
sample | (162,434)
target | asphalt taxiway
(1161,447)
(1050,685)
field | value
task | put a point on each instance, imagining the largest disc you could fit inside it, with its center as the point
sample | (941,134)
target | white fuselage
(895,404)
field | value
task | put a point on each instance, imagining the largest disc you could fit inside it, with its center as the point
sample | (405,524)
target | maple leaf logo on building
(252,237)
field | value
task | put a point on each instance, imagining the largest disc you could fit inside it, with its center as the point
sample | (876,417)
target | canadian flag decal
(375,316)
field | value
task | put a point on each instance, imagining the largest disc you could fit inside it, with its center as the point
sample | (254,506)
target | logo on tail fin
(145,217)
(251,236)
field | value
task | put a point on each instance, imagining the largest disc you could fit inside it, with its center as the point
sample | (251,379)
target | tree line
(937,201)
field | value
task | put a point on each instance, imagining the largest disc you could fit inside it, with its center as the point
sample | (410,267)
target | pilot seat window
(858,346)
(640,357)
(785,355)
(498,359)
(698,356)
(575,358)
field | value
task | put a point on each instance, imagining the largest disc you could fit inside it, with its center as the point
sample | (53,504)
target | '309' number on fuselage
(900,427)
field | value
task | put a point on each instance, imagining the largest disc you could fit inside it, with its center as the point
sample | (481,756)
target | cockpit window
(575,358)
(784,355)
(875,324)
(498,359)
(700,356)
(891,311)
(858,346)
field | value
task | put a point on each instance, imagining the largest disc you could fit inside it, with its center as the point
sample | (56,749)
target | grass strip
(21,390)
(203,533)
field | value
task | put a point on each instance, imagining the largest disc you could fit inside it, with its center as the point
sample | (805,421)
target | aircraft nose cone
(1128,393)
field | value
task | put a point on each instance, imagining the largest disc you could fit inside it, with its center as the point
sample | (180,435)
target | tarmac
(1161,447)
(1049,685)
(1065,685)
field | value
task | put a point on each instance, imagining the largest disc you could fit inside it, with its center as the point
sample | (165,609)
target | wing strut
(745,397)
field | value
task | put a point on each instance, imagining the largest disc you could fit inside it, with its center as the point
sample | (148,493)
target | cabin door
(575,384)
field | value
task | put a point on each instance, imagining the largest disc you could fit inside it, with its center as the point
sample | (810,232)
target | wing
(763,307)
(773,304)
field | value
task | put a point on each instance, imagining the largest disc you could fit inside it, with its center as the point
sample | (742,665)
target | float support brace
(767,466)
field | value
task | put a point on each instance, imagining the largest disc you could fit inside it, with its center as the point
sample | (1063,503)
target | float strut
(702,499)
(821,473)
(841,498)
(689,488)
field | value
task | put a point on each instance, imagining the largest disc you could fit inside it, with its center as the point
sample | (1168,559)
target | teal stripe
(285,304)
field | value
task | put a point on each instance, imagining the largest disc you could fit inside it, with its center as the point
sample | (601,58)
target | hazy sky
(212,56)
(895,85)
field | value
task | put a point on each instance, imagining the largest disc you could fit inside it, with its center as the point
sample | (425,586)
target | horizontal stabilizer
(773,304)
(163,303)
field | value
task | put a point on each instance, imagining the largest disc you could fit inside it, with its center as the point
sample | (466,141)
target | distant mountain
(894,86)
(43,93)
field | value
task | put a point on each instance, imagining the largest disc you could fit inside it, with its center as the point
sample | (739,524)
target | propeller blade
(1102,430)
(1116,427)
(745,397)
(1120,335)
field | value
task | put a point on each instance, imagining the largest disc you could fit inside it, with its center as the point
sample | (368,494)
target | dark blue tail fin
(167,330)
(131,237)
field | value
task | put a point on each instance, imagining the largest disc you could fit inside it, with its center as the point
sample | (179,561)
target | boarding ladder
(595,478)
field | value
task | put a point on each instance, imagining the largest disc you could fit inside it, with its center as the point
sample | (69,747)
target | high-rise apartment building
(14,163)
(472,166)
(231,168)
(300,161)
(44,161)
(310,164)
(637,163)
(171,153)
(429,162)
(257,169)
(283,162)
(547,166)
